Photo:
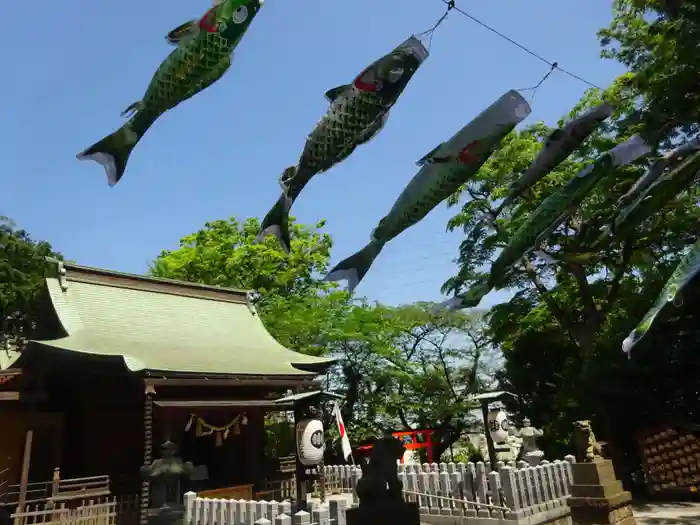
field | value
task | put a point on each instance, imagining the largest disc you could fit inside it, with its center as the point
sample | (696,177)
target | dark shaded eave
(313,395)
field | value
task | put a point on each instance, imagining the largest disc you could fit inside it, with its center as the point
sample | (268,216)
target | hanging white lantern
(310,442)
(498,425)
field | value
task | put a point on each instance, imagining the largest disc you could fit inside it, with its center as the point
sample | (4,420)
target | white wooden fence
(205,511)
(466,490)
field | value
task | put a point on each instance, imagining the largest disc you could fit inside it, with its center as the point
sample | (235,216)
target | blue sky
(221,153)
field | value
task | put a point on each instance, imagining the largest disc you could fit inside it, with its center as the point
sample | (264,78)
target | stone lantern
(165,476)
(529,435)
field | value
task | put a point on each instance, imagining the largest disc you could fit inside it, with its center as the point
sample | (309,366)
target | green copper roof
(168,326)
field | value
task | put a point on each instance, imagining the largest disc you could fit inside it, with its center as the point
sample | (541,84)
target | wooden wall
(93,425)
(46,442)
(11,442)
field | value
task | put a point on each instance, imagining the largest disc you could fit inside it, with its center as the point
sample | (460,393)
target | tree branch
(620,270)
(554,308)
(448,378)
(402,418)
(590,310)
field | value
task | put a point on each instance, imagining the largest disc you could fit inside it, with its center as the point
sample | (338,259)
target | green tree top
(582,288)
(224,253)
(658,41)
(22,272)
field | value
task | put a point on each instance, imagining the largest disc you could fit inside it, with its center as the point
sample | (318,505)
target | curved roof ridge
(77,272)
(200,331)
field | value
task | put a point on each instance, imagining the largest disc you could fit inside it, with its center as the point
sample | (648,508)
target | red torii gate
(412,440)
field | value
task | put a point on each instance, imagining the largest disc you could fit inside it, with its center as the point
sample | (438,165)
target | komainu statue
(380,481)
(588,449)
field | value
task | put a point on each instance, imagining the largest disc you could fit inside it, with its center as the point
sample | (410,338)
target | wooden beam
(292,382)
(223,403)
(9,374)
(24,479)
(9,395)
(15,395)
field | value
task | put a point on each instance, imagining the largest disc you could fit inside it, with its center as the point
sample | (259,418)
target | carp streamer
(358,111)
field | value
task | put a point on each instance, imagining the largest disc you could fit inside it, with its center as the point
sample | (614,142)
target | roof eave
(318,367)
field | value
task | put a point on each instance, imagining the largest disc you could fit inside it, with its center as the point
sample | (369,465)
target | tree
(22,272)
(224,253)
(408,368)
(296,307)
(658,41)
(400,368)
(561,332)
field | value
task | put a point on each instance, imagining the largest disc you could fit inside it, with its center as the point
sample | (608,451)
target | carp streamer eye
(240,15)
(395,74)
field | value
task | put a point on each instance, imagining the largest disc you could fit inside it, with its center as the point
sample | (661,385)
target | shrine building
(120,363)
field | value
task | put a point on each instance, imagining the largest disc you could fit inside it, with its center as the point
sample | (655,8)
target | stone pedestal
(534,457)
(597,497)
(402,513)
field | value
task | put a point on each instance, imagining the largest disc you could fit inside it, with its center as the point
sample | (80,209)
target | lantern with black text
(498,425)
(310,442)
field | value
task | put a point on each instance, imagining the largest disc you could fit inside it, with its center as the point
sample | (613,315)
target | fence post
(188,500)
(283,519)
(510,493)
(568,461)
(250,514)
(273,509)
(433,502)
(539,490)
(423,489)
(261,509)
(445,491)
(263,521)
(336,509)
(527,489)
(559,481)
(481,493)
(286,508)
(231,513)
(411,486)
(301,518)
(221,511)
(320,516)
(496,496)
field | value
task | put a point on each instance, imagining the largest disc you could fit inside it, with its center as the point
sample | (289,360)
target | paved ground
(667,513)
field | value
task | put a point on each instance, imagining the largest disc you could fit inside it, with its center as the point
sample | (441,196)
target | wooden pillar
(147,448)
(321,481)
(26,462)
(300,469)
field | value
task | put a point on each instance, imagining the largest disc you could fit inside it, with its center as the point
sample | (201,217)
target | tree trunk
(352,396)
(448,434)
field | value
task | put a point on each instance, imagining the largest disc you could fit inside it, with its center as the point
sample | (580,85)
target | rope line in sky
(554,65)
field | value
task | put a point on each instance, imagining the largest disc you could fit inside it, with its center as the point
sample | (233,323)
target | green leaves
(224,253)
(22,268)
(407,367)
(658,41)
(399,367)
(561,332)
